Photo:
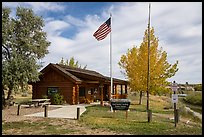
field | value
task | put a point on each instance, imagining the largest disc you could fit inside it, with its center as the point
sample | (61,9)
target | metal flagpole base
(111,108)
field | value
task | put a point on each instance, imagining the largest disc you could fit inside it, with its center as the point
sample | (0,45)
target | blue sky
(70,26)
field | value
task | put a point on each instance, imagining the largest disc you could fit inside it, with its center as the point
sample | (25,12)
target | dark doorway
(81,91)
(105,93)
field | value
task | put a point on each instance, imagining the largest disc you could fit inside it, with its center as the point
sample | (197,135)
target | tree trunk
(140,101)
(3,98)
(9,92)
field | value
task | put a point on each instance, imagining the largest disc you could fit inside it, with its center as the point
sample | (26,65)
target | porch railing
(119,96)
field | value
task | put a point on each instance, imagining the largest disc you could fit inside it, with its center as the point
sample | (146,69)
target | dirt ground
(10,115)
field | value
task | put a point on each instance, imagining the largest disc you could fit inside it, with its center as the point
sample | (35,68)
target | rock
(187,121)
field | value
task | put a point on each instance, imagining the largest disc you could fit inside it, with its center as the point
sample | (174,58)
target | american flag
(103,30)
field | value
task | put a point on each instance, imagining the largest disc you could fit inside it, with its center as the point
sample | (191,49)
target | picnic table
(40,102)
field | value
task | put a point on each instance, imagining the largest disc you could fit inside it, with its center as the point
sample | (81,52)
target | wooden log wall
(54,79)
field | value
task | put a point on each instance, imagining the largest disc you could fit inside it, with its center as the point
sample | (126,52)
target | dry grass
(100,121)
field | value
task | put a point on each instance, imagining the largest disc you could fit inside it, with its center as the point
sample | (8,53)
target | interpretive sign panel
(174,98)
(120,104)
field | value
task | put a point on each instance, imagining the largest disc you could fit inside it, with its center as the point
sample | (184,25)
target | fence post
(46,111)
(18,111)
(78,113)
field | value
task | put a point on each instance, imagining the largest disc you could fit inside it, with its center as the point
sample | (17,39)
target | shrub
(57,99)
(195,99)
(198,87)
(24,94)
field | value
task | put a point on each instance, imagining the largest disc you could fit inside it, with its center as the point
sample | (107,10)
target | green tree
(62,61)
(71,63)
(23,44)
(134,62)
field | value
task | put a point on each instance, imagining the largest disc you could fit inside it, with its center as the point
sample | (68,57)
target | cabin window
(52,90)
(81,91)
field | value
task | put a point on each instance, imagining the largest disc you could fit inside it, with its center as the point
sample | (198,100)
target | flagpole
(111,62)
(148,68)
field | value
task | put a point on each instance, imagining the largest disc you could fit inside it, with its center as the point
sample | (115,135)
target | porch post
(101,89)
(121,89)
(77,94)
(116,92)
(125,89)
(113,89)
(109,92)
(74,95)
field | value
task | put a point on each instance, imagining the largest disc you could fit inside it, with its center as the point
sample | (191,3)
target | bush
(194,98)
(198,87)
(57,99)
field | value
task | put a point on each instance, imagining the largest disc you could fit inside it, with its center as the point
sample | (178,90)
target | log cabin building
(77,85)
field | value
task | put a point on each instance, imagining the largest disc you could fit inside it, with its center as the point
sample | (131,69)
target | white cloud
(37,6)
(55,27)
(46,6)
(74,21)
(129,22)
(177,25)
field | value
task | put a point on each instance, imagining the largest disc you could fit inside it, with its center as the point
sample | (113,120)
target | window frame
(56,90)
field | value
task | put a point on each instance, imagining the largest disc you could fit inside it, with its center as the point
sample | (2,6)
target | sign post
(120,104)
(175,100)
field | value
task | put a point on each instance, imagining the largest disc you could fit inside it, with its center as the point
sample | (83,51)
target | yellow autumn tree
(135,62)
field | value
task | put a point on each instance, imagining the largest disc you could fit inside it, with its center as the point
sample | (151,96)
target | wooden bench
(41,102)
(30,104)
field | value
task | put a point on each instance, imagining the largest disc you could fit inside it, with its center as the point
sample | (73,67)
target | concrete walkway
(65,111)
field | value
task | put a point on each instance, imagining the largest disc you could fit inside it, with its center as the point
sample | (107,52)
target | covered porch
(100,90)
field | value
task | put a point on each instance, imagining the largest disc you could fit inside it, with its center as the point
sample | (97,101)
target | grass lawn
(136,123)
(40,127)
(98,119)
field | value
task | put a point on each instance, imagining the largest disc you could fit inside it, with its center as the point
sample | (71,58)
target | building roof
(67,73)
(120,81)
(79,70)
(78,75)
